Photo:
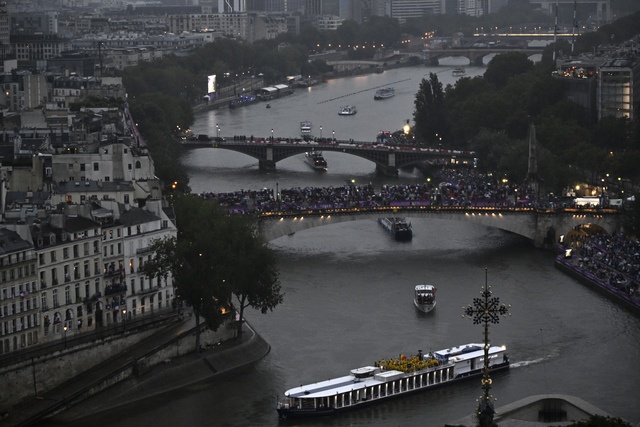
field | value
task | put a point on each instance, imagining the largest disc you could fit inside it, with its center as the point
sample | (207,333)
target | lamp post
(65,335)
(333,133)
(486,310)
(271,134)
(124,315)
(320,132)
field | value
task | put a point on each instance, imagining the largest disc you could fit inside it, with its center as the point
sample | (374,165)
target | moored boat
(388,379)
(348,110)
(315,160)
(398,227)
(305,127)
(242,100)
(424,298)
(384,93)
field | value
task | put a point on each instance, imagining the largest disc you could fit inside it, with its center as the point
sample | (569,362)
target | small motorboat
(424,298)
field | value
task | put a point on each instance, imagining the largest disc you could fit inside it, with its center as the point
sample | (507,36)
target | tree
(506,66)
(214,256)
(431,124)
(254,279)
(601,421)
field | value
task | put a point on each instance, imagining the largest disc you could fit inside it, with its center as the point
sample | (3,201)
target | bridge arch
(388,159)
(542,227)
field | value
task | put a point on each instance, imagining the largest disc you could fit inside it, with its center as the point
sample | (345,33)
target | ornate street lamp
(483,311)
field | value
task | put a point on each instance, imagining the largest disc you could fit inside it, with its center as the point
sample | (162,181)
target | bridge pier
(387,170)
(267,165)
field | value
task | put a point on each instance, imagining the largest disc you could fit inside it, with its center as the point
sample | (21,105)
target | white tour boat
(305,127)
(388,379)
(458,72)
(348,110)
(384,93)
(424,298)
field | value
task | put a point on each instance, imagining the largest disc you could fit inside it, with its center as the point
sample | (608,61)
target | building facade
(19,293)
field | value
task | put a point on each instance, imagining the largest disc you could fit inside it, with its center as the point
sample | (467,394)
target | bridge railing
(425,206)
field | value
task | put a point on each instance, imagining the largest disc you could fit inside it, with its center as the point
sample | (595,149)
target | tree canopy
(215,256)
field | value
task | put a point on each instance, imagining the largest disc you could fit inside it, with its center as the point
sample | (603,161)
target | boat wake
(523,363)
(363,90)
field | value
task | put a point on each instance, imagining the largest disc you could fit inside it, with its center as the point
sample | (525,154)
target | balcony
(151,290)
(115,289)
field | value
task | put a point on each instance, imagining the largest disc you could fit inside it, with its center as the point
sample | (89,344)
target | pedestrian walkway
(174,374)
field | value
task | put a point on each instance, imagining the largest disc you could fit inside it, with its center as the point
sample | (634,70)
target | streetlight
(320,132)
(271,134)
(333,132)
(65,335)
(124,314)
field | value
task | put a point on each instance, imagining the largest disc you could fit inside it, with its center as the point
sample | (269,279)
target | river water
(349,287)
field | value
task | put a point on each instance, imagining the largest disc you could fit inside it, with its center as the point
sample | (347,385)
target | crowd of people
(612,258)
(463,187)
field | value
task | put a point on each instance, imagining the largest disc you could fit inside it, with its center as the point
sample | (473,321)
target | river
(348,288)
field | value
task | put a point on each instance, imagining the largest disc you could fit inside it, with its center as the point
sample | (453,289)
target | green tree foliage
(507,66)
(254,277)
(431,124)
(601,421)
(214,256)
(158,117)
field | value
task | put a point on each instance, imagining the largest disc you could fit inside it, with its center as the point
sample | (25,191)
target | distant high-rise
(226,6)
(403,9)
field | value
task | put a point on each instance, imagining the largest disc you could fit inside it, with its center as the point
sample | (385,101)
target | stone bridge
(543,227)
(475,55)
(388,159)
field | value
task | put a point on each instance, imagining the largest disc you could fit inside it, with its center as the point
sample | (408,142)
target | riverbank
(567,266)
(161,369)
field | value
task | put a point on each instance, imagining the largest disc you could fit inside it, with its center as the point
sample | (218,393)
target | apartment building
(19,293)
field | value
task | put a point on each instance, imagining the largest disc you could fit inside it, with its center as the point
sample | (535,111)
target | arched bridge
(542,226)
(388,159)
(475,55)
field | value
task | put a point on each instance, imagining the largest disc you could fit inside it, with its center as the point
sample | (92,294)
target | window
(65,253)
(96,166)
(83,167)
(126,198)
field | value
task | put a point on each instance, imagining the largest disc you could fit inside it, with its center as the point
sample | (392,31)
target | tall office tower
(332,7)
(403,9)
(206,6)
(313,8)
(225,6)
(4,24)
(470,8)
(278,6)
